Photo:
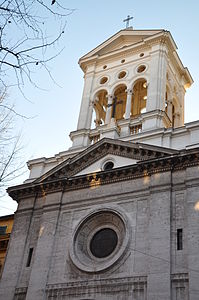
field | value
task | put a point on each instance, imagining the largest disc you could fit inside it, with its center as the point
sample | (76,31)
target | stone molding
(151,162)
(105,177)
(102,217)
(20,293)
(178,277)
(96,286)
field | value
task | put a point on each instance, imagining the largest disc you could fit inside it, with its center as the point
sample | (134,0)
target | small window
(123,61)
(141,69)
(141,54)
(121,74)
(104,67)
(108,166)
(3,230)
(179,239)
(103,80)
(29,257)
(3,245)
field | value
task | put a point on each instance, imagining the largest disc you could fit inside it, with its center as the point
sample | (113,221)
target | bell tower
(134,82)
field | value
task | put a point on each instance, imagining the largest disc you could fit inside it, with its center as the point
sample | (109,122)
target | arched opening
(139,98)
(119,102)
(100,107)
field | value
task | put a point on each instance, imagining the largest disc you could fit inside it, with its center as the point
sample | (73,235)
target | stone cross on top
(127,20)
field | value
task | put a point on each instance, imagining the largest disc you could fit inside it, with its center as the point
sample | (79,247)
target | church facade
(116,215)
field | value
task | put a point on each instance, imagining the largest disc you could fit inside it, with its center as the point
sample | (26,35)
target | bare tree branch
(11,165)
(26,37)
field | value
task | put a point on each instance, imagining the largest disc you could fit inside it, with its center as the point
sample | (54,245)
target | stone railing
(94,136)
(137,128)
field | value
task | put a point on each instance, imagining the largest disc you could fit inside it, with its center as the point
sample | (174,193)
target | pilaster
(15,256)
(157,82)
(159,281)
(44,249)
(85,114)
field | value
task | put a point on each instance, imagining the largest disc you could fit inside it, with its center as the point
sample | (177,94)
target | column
(177,119)
(181,108)
(109,109)
(169,109)
(128,103)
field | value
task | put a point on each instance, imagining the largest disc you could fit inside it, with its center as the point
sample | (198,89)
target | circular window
(104,67)
(103,242)
(141,68)
(99,240)
(108,166)
(123,61)
(103,80)
(122,74)
(141,54)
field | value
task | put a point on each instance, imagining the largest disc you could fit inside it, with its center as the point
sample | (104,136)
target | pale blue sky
(56,110)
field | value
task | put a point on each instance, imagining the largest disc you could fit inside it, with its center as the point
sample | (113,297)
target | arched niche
(100,107)
(119,102)
(139,97)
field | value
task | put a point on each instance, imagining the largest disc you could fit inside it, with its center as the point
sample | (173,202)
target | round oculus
(100,240)
(141,68)
(103,80)
(103,242)
(122,74)
(108,166)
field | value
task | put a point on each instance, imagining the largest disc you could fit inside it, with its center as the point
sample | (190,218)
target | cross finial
(127,20)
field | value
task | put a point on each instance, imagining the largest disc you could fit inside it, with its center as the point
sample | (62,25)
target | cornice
(138,152)
(141,169)
(134,48)
(103,147)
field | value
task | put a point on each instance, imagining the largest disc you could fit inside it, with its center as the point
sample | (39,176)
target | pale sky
(55,111)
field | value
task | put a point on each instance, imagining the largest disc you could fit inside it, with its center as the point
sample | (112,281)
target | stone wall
(150,267)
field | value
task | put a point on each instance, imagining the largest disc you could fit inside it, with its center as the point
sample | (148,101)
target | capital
(169,101)
(109,98)
(129,91)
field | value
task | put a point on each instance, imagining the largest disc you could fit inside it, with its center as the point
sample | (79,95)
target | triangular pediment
(121,39)
(97,166)
(94,157)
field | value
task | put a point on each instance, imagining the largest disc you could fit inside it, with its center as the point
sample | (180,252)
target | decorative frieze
(112,285)
(150,161)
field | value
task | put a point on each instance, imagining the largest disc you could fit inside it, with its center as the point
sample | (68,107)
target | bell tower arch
(133,83)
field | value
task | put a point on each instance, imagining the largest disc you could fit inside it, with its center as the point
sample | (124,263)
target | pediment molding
(123,37)
(143,168)
(136,151)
